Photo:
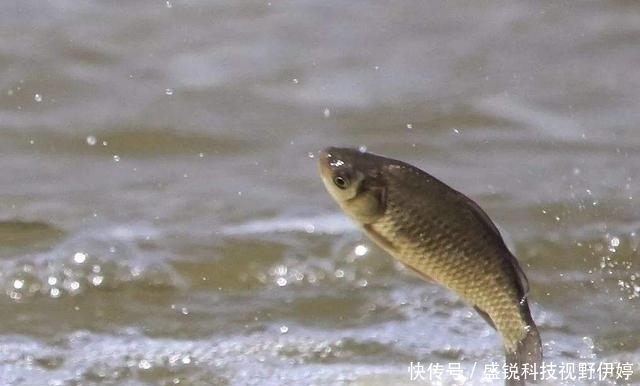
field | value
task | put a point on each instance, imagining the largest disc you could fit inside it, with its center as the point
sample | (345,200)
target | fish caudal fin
(527,357)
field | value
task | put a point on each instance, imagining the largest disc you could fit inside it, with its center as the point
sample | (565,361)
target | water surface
(162,221)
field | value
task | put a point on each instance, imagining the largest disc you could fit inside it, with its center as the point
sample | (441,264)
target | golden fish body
(442,235)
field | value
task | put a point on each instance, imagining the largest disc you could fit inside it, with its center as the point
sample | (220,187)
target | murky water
(162,221)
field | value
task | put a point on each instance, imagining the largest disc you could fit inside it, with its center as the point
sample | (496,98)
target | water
(162,221)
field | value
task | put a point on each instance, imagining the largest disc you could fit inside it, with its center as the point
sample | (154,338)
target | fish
(444,237)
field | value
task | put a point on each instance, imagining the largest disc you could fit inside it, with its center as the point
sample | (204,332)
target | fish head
(355,181)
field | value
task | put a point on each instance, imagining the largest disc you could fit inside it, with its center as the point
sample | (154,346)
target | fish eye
(341,182)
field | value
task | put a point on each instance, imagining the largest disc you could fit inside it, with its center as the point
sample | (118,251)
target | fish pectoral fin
(421,274)
(379,239)
(485,316)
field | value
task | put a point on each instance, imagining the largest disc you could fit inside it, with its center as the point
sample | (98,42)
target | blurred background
(162,221)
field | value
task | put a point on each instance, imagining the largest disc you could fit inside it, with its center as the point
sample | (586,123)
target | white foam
(327,224)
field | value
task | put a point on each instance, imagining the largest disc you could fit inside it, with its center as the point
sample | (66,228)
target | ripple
(18,236)
(105,258)
(143,142)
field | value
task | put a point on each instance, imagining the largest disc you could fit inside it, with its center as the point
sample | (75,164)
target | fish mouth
(324,154)
(324,162)
(333,159)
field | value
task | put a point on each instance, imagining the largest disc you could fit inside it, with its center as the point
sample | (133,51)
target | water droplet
(456,131)
(326,112)
(588,341)
(339,273)
(362,148)
(91,140)
(284,329)
(105,143)
(144,364)
(116,158)
(37,97)
(310,154)
(18,284)
(409,126)
(55,292)
(168,91)
(280,270)
(168,4)
(615,242)
(79,257)
(281,281)
(97,280)
(295,81)
(52,280)
(201,155)
(360,250)
(309,228)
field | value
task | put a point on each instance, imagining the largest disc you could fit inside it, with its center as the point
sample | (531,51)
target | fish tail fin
(530,348)
(527,356)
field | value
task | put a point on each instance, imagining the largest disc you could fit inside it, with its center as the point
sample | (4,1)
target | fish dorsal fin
(524,282)
(480,214)
(483,217)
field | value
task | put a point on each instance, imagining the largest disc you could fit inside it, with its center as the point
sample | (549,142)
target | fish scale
(433,256)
